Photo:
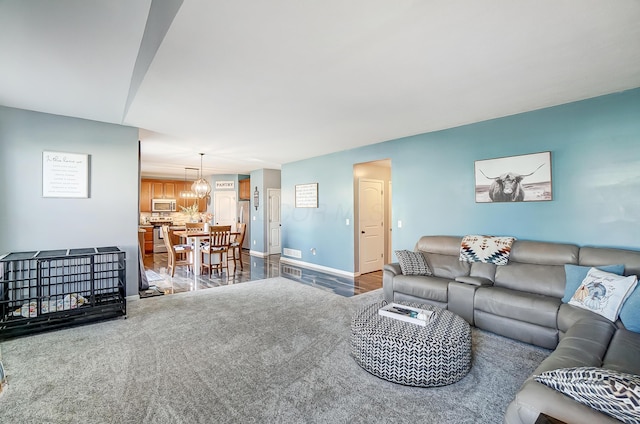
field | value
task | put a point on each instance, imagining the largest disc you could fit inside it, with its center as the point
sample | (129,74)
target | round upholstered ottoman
(402,352)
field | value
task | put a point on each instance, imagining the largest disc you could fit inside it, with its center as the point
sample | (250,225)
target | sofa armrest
(389,272)
(474,281)
(393,268)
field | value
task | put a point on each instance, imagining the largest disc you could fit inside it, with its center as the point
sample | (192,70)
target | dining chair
(236,245)
(173,250)
(194,226)
(218,245)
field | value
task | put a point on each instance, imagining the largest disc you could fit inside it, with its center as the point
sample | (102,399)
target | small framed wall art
(307,195)
(65,175)
(523,178)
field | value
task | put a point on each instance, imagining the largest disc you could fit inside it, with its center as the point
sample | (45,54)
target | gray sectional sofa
(522,300)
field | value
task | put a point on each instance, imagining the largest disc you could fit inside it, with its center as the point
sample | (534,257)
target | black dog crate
(46,290)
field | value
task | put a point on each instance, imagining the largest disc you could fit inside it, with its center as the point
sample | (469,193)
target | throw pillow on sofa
(486,249)
(613,393)
(630,312)
(576,273)
(412,263)
(603,293)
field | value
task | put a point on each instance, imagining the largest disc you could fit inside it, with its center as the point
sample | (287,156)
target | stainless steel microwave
(163,205)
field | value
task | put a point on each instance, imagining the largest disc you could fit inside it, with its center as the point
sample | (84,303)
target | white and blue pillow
(604,293)
(575,274)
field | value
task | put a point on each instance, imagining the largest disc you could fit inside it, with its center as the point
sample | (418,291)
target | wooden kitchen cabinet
(183,202)
(245,189)
(157,190)
(145,196)
(180,201)
(202,205)
(148,238)
(169,190)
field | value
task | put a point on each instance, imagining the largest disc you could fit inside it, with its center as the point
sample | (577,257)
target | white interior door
(224,208)
(275,225)
(371,224)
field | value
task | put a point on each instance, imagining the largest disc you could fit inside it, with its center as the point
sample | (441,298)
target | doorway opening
(372,215)
(275,227)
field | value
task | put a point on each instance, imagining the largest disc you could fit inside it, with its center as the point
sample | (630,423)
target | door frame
(269,249)
(377,169)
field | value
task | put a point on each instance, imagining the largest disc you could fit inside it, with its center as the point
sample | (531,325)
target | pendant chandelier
(201,187)
(187,194)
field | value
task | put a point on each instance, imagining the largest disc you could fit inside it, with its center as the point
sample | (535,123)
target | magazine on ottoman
(406,313)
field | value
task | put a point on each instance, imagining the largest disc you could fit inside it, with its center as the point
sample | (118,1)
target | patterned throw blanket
(54,304)
(486,249)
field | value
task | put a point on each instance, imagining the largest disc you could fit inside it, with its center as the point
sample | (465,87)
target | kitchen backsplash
(178,218)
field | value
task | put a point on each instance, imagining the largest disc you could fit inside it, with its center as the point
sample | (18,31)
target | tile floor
(254,268)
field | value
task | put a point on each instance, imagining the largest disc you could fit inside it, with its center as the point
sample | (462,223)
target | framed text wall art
(65,175)
(307,195)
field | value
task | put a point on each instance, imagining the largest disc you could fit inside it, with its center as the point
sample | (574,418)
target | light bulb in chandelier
(187,194)
(201,187)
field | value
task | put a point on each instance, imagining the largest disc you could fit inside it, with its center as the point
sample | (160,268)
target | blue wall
(595,154)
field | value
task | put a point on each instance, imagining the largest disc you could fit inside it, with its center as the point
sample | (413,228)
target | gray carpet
(271,351)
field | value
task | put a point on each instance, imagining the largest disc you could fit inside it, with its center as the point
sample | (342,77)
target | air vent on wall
(294,253)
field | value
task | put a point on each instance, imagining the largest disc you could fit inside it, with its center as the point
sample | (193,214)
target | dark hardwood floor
(254,268)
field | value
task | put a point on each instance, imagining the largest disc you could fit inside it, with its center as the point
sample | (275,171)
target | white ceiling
(255,84)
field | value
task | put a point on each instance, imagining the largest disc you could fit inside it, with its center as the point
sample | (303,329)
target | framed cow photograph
(523,178)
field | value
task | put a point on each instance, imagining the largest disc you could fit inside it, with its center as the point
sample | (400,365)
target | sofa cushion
(486,249)
(446,266)
(575,274)
(518,330)
(603,293)
(443,245)
(533,278)
(412,263)
(622,354)
(584,345)
(596,256)
(533,308)
(545,253)
(611,392)
(484,271)
(568,315)
(432,288)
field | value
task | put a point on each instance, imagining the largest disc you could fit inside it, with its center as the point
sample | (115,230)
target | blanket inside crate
(69,301)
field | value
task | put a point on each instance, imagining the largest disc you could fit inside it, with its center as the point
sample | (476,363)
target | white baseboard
(258,254)
(321,268)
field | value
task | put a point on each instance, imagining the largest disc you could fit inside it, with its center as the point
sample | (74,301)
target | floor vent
(289,270)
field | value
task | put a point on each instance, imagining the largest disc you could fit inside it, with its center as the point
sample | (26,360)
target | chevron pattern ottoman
(410,354)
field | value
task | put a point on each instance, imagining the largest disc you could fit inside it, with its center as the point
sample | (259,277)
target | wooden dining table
(196,237)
